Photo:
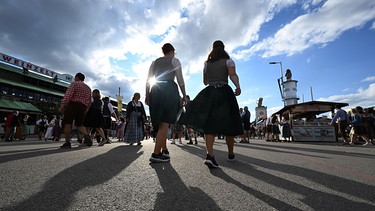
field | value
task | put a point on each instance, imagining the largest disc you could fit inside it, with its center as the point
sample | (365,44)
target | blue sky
(328,45)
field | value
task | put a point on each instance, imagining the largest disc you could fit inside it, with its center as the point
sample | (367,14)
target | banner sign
(34,68)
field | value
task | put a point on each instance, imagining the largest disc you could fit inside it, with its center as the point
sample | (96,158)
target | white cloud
(370,78)
(363,97)
(316,28)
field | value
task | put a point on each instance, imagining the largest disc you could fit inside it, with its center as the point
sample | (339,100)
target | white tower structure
(260,111)
(289,90)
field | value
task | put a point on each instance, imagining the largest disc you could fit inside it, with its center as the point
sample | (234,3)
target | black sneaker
(190,142)
(88,140)
(165,153)
(211,162)
(158,158)
(231,157)
(66,146)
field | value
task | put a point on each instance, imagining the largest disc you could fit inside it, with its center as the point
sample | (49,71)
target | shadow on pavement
(175,191)
(40,151)
(314,198)
(58,192)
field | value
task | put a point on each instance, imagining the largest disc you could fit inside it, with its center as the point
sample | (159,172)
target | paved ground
(37,175)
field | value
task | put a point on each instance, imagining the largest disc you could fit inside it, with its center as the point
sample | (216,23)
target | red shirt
(78,91)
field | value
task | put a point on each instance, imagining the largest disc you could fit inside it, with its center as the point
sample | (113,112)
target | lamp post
(280,79)
(281,69)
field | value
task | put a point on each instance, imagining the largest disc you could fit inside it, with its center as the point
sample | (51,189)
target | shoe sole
(210,164)
(155,160)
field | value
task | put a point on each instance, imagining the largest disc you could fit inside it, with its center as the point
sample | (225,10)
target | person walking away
(50,126)
(368,124)
(163,99)
(25,125)
(135,121)
(268,129)
(94,117)
(57,129)
(177,130)
(245,116)
(287,131)
(275,128)
(11,123)
(341,117)
(120,129)
(75,103)
(42,126)
(215,109)
(358,130)
(108,112)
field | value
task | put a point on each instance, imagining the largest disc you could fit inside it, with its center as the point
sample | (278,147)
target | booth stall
(305,124)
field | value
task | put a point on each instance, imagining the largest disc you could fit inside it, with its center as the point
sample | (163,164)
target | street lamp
(281,69)
(280,79)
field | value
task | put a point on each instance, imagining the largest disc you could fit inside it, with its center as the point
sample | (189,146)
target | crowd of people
(213,112)
(355,125)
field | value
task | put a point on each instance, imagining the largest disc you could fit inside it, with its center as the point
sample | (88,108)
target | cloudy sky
(328,45)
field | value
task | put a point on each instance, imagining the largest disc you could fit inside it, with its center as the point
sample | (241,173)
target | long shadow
(323,151)
(312,197)
(27,150)
(59,191)
(29,153)
(174,190)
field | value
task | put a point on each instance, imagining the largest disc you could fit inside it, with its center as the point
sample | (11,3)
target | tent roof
(309,108)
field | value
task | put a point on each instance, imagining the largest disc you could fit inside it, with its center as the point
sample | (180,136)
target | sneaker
(231,157)
(165,153)
(102,143)
(158,158)
(190,142)
(211,162)
(367,143)
(66,146)
(88,140)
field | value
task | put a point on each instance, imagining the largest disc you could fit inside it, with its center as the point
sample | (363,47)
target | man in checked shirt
(75,104)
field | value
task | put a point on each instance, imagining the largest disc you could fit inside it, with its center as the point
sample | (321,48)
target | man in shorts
(75,104)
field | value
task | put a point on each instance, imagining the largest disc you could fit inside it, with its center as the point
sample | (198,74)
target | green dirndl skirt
(165,102)
(214,111)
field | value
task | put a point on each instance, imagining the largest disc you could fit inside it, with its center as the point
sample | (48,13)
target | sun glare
(152,81)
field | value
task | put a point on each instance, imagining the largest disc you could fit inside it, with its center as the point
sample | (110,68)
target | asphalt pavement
(37,175)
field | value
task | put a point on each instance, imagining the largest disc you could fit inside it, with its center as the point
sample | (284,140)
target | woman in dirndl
(163,98)
(135,121)
(215,109)
(94,117)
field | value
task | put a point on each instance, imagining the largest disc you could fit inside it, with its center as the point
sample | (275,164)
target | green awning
(18,105)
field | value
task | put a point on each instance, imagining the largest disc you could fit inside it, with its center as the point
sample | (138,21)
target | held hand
(237,91)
